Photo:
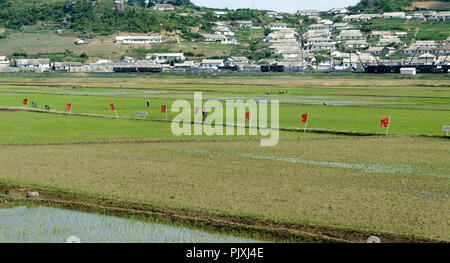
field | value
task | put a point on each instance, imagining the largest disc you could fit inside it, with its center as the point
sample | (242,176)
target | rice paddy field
(54,225)
(341,181)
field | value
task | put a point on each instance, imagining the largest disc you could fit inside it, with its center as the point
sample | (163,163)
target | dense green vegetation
(87,16)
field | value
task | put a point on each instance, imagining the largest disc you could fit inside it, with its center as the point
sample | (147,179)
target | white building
(394,15)
(444,16)
(277,26)
(220,13)
(336,11)
(272,14)
(219,39)
(65,66)
(139,39)
(350,35)
(318,27)
(221,31)
(355,44)
(163,7)
(387,40)
(244,24)
(212,63)
(33,63)
(408,71)
(323,46)
(161,58)
(307,12)
(4,61)
(340,26)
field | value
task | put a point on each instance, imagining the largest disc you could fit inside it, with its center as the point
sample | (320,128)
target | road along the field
(398,185)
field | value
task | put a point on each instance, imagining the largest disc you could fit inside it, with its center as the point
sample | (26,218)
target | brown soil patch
(432,5)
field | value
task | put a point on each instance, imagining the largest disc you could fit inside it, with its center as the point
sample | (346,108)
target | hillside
(379,6)
(103,16)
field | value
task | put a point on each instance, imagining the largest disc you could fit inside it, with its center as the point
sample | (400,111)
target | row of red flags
(384,122)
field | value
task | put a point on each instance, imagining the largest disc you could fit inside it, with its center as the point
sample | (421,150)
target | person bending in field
(148,103)
(205,113)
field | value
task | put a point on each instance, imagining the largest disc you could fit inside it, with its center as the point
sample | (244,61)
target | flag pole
(306,124)
(115,110)
(389,124)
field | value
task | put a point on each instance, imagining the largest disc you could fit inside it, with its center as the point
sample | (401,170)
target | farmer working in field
(205,113)
(148,103)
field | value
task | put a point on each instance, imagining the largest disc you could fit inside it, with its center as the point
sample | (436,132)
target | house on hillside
(318,27)
(221,31)
(212,63)
(139,39)
(277,26)
(323,46)
(41,64)
(426,43)
(417,50)
(220,13)
(336,11)
(443,16)
(355,44)
(163,7)
(423,14)
(394,15)
(350,35)
(65,66)
(161,58)
(360,17)
(443,50)
(222,25)
(218,39)
(379,34)
(317,34)
(341,26)
(244,24)
(198,14)
(272,14)
(308,12)
(387,40)
(375,50)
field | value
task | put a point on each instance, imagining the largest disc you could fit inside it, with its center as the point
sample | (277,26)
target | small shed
(408,71)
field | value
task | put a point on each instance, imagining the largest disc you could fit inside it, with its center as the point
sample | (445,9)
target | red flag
(163,108)
(113,107)
(248,115)
(305,117)
(196,110)
(69,106)
(385,122)
(25,101)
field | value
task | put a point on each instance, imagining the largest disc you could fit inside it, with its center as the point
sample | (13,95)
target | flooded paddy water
(54,225)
